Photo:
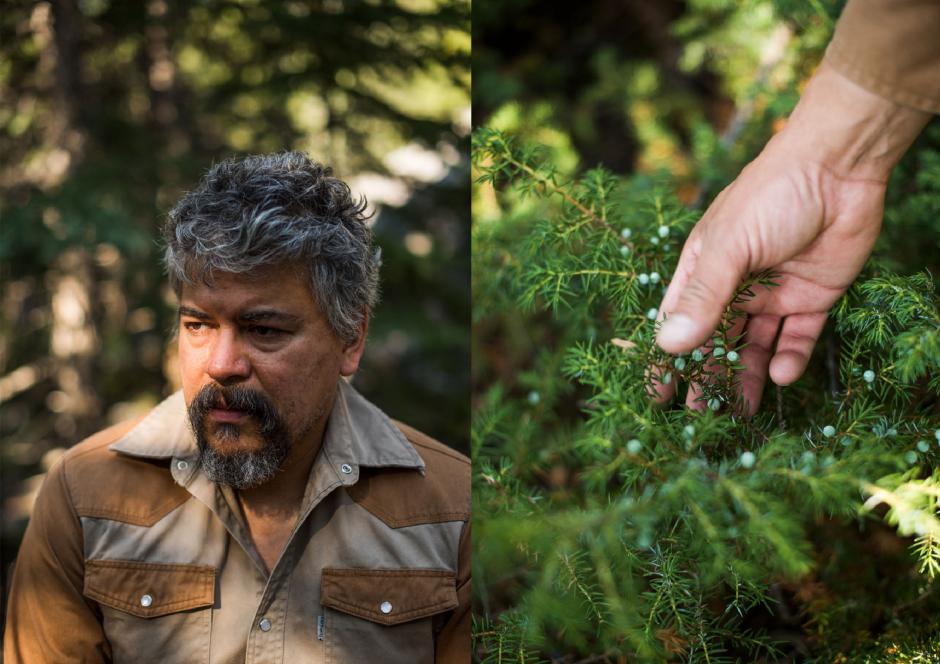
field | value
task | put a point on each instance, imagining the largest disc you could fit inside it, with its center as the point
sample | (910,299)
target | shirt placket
(268,628)
(267,623)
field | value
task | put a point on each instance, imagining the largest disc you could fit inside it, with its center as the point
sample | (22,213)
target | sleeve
(892,48)
(48,618)
(453,643)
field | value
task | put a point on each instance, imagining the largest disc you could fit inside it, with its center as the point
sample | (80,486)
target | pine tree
(610,529)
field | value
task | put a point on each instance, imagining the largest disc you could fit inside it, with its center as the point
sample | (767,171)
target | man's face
(260,366)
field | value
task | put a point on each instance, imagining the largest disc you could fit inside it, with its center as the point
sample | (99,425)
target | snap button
(346,468)
(182,465)
(146,601)
(385,607)
(265,625)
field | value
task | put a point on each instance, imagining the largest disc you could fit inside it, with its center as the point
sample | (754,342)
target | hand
(809,207)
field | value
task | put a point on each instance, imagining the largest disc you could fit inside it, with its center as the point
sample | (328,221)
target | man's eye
(266,332)
(195,326)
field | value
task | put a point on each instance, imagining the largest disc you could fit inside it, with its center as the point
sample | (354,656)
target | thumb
(702,300)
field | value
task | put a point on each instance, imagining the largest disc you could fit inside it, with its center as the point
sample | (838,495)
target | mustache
(236,397)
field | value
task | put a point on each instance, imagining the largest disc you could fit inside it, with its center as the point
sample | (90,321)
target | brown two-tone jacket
(133,555)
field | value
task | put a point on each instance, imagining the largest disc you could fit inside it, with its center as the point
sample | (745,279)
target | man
(810,205)
(267,512)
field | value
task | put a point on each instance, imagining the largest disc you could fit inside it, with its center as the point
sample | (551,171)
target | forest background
(607,530)
(109,111)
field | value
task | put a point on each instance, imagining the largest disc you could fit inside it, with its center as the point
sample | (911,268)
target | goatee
(238,469)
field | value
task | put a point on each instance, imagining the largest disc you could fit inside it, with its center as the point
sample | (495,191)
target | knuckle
(799,343)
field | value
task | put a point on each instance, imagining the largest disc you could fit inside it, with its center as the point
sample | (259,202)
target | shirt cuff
(892,48)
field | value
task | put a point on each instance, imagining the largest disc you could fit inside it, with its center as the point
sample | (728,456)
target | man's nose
(228,361)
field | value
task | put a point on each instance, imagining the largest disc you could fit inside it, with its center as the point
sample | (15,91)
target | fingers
(701,297)
(684,268)
(795,346)
(692,399)
(755,356)
(660,392)
(761,330)
(693,396)
(758,357)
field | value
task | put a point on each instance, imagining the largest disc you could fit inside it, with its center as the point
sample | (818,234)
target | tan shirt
(133,555)
(892,48)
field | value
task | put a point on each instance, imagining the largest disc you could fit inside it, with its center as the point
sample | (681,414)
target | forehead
(284,287)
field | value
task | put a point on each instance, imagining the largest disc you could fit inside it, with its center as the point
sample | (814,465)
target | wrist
(848,129)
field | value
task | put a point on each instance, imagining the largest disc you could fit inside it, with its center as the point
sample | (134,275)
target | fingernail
(676,332)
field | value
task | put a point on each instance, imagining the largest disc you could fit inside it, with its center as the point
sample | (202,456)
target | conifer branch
(497,145)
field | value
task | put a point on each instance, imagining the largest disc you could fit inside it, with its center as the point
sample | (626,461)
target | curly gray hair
(267,210)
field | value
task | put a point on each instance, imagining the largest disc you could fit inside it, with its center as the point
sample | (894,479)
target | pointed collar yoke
(357,434)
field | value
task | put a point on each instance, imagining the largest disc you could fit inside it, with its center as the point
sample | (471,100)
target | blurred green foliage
(110,110)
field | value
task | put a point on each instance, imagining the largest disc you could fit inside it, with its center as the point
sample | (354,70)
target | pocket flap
(389,596)
(149,590)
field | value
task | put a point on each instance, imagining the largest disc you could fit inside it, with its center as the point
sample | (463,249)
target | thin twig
(555,189)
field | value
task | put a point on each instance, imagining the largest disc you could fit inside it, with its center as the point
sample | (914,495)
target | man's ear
(352,353)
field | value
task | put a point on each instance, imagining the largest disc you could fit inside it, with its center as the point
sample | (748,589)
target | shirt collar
(163,433)
(357,434)
(360,434)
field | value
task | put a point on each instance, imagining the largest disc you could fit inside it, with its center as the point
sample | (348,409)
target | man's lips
(227,415)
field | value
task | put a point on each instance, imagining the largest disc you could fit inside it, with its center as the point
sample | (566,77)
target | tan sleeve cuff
(891,47)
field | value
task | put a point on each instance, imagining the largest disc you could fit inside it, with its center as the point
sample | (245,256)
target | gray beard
(241,470)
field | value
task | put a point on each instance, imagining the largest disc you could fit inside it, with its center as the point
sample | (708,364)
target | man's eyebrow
(256,316)
(194,313)
(269,315)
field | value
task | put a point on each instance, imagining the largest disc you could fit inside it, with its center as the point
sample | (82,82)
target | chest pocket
(384,615)
(153,612)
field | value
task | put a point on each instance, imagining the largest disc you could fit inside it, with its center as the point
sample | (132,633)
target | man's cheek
(189,372)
